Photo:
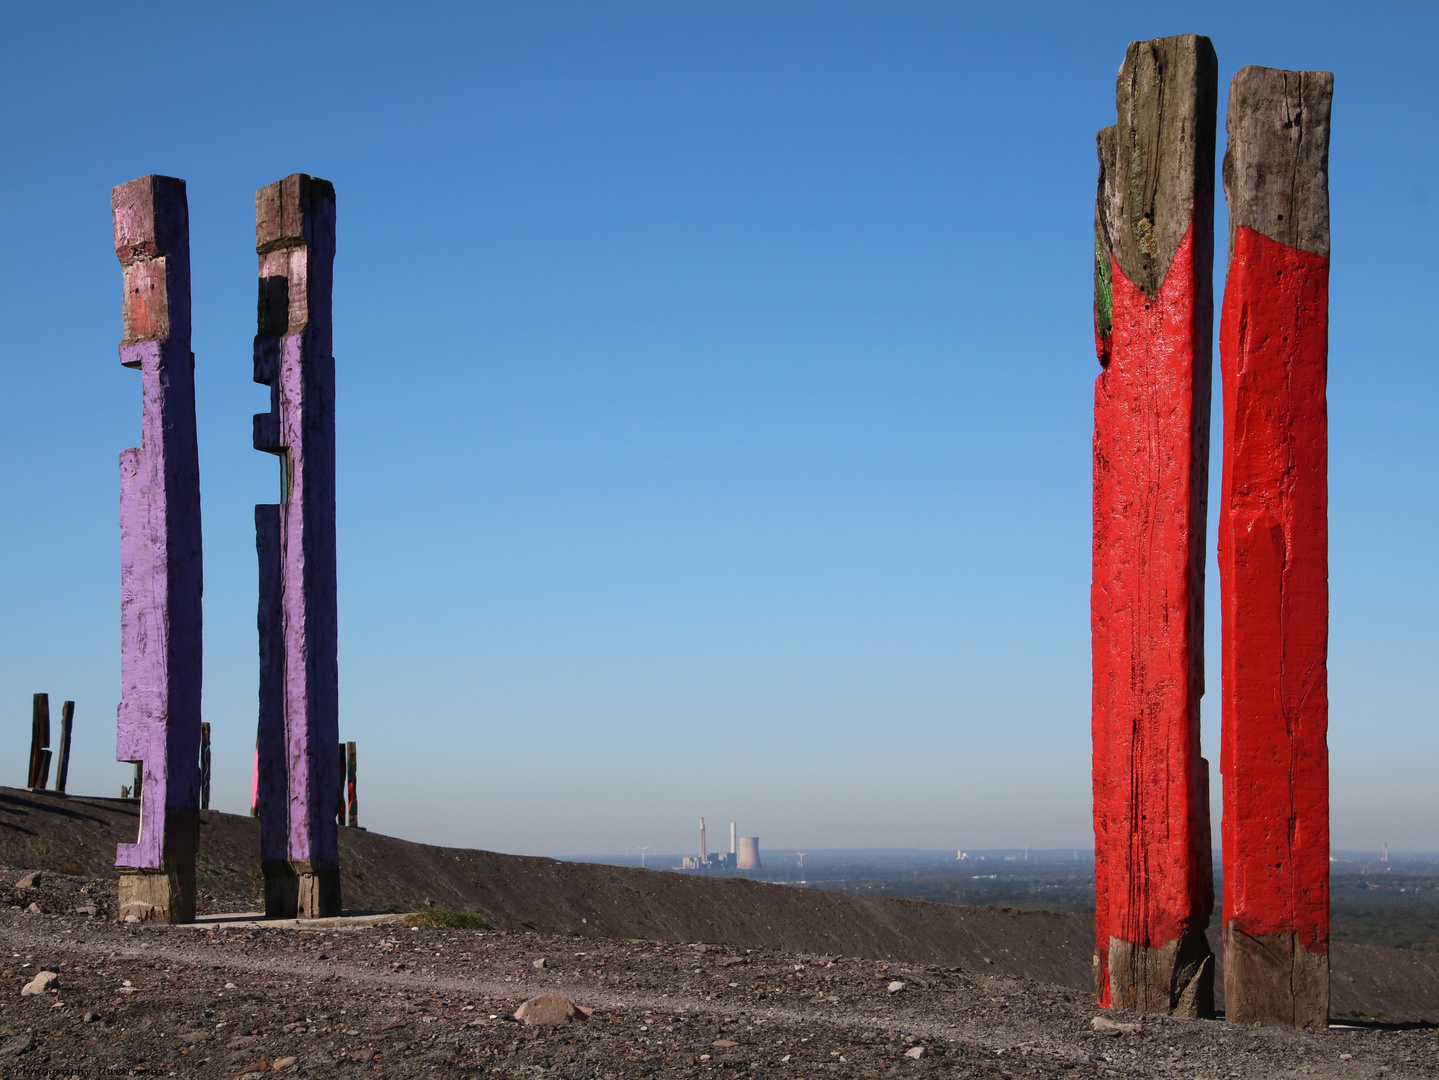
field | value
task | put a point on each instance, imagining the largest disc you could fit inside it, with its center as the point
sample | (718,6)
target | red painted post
(1274,550)
(1154,252)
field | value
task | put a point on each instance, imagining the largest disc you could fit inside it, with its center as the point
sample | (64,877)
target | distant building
(715,860)
(718,860)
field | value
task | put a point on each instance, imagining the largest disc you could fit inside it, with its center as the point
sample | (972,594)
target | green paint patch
(1103,289)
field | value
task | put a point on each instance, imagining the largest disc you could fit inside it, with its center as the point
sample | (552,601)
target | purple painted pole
(160,559)
(298,771)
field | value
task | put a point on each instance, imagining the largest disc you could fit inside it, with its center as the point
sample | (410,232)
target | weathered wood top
(152,241)
(1158,160)
(1276,170)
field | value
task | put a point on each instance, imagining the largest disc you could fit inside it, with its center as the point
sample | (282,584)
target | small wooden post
(350,785)
(39,740)
(205,765)
(62,769)
(124,792)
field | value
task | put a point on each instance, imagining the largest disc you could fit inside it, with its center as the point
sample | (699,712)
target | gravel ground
(393,1000)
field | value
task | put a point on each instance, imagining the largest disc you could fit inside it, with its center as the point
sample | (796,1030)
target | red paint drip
(1274,584)
(1153,868)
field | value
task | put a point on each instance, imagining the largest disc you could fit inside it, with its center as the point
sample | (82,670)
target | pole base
(294,889)
(1272,979)
(164,896)
(1176,979)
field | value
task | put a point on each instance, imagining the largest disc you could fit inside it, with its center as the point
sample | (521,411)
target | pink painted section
(158,721)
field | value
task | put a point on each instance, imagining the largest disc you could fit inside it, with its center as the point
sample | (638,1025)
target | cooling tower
(748,856)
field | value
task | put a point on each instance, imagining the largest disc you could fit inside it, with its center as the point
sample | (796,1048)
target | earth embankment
(78,834)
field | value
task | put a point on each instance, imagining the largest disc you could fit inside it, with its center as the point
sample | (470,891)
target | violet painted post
(160,557)
(297,769)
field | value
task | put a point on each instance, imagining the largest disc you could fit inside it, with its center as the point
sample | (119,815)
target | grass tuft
(448,917)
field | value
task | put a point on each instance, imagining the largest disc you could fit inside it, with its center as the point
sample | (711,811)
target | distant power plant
(743,853)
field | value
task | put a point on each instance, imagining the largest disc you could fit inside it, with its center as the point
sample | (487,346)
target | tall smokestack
(702,839)
(731,838)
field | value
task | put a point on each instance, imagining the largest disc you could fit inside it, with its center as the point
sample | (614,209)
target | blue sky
(714,401)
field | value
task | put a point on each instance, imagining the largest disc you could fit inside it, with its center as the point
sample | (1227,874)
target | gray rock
(548,1009)
(1107,1026)
(18,1045)
(39,984)
(896,986)
(29,881)
(915,1052)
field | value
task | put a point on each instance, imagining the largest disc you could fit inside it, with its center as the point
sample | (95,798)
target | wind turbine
(801,855)
(643,849)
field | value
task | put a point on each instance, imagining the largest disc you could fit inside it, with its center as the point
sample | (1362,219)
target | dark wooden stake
(39,740)
(139,788)
(350,785)
(62,769)
(204,766)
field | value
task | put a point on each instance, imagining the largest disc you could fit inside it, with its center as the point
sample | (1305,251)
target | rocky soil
(392,1000)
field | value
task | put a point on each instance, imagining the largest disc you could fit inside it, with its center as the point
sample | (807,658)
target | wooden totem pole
(1154,251)
(160,555)
(296,758)
(1273,550)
